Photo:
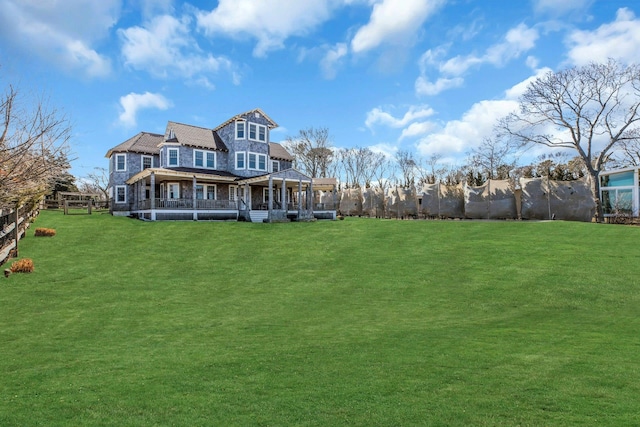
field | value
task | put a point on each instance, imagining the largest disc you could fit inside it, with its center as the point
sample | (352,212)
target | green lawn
(356,322)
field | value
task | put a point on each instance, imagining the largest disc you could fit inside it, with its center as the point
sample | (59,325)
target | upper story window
(204,159)
(147,162)
(257,132)
(275,166)
(257,161)
(172,157)
(121,162)
(240,130)
(240,160)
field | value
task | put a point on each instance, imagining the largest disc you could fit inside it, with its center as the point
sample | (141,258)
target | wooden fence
(13,226)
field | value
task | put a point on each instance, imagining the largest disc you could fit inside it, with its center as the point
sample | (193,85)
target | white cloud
(134,102)
(164,47)
(60,32)
(425,87)
(558,8)
(393,21)
(619,40)
(457,136)
(271,22)
(517,41)
(389,150)
(378,116)
(332,59)
(417,129)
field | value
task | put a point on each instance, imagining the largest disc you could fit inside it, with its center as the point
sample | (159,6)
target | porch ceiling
(167,174)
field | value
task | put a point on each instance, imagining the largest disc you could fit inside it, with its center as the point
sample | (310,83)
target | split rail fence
(13,226)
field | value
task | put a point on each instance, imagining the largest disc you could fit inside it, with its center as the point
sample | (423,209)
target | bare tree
(494,158)
(312,151)
(97,182)
(360,165)
(33,147)
(408,165)
(590,109)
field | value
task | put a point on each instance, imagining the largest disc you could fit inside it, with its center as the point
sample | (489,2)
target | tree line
(586,117)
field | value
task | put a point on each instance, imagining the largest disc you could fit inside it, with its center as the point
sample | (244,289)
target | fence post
(16,229)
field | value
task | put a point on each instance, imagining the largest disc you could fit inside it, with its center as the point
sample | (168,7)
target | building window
(204,159)
(172,157)
(233,192)
(257,162)
(147,162)
(240,129)
(240,160)
(173,190)
(121,162)
(205,192)
(257,132)
(265,195)
(121,194)
(275,166)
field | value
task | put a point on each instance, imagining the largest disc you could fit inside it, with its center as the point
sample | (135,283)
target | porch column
(299,197)
(270,204)
(283,198)
(152,194)
(195,214)
(311,196)
(247,196)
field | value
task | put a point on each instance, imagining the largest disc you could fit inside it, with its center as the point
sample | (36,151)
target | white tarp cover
(565,200)
(451,201)
(430,206)
(373,202)
(328,199)
(402,203)
(351,202)
(493,200)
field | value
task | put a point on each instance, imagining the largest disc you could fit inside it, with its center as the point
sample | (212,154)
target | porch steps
(258,216)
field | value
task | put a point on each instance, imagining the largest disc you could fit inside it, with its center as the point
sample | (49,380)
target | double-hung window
(257,132)
(147,162)
(275,166)
(240,160)
(121,194)
(240,129)
(204,159)
(205,191)
(121,162)
(172,157)
(257,162)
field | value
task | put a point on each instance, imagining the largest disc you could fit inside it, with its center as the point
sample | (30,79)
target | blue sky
(428,76)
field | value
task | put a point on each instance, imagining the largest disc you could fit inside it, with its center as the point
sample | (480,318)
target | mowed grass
(356,322)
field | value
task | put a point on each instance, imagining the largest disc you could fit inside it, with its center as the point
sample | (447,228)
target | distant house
(619,192)
(231,172)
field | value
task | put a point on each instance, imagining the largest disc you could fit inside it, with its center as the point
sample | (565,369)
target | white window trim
(115,166)
(233,192)
(169,156)
(142,162)
(235,130)
(257,138)
(258,156)
(275,162)
(205,188)
(124,187)
(204,159)
(244,160)
(168,190)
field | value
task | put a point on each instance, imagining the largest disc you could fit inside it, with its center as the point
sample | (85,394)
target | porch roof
(166,174)
(291,175)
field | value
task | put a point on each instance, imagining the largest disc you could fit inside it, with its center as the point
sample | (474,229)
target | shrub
(24,265)
(47,232)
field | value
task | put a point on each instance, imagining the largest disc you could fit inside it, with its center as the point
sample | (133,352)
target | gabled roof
(240,116)
(195,136)
(144,142)
(278,152)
